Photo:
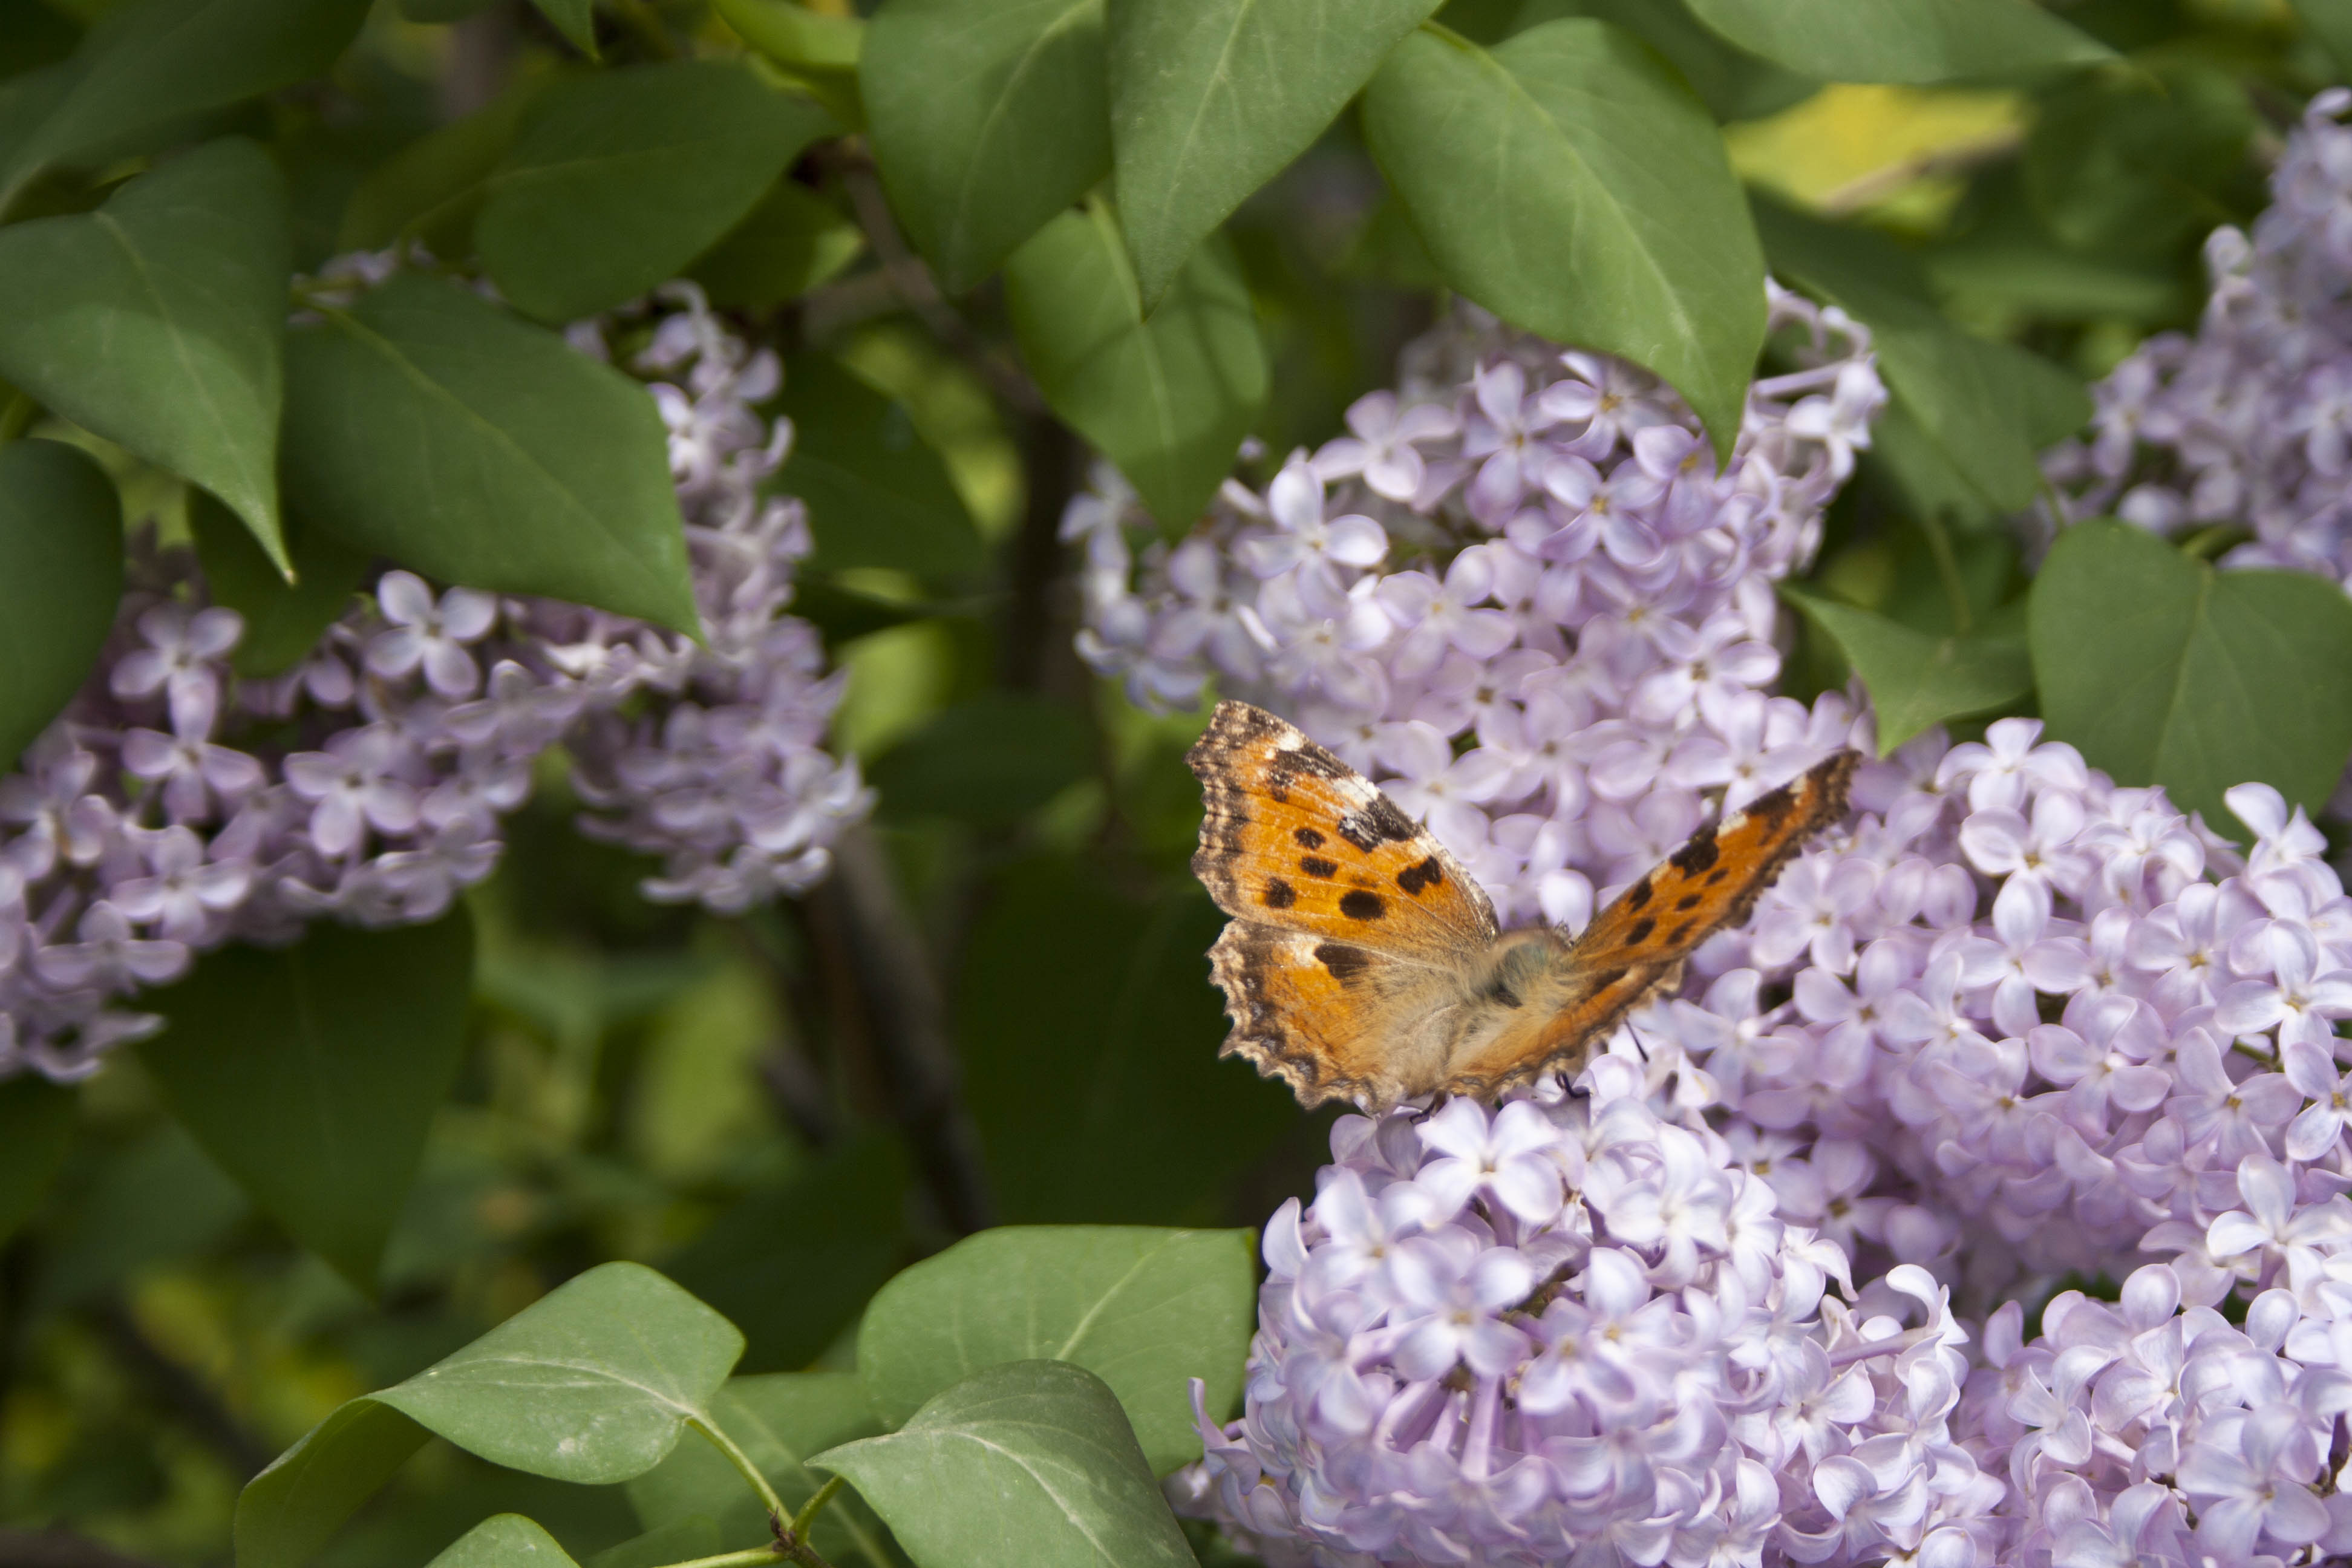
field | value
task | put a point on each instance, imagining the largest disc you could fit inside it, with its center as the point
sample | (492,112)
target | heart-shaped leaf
(1146,1309)
(311,1072)
(1572,183)
(876,495)
(427,425)
(1902,40)
(504,1541)
(156,322)
(1210,98)
(988,118)
(60,582)
(1026,1465)
(1167,397)
(620,179)
(2164,670)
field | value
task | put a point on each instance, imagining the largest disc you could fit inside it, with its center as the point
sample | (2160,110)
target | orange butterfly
(1363,963)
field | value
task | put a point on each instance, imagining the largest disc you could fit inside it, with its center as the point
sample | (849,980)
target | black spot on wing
(1307,839)
(1687,902)
(1698,854)
(1414,879)
(1638,894)
(1718,875)
(1641,929)
(1279,894)
(1379,823)
(1315,865)
(1345,962)
(1676,938)
(1358,905)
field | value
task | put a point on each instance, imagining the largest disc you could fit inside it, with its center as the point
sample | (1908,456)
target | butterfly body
(1362,962)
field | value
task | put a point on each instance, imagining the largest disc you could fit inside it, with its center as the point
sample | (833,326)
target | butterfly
(1363,963)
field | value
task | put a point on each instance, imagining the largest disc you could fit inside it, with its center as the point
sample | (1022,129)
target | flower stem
(814,1506)
(750,1557)
(742,1463)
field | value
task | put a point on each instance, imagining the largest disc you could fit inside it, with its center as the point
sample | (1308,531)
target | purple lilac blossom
(175,805)
(2011,1023)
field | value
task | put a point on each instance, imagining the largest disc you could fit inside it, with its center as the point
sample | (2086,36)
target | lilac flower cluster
(2249,423)
(176,806)
(2011,1023)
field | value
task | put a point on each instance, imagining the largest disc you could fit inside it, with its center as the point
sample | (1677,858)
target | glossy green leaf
(1168,397)
(778,1420)
(60,581)
(156,321)
(795,37)
(504,1541)
(1988,408)
(793,241)
(1731,82)
(432,188)
(1914,678)
(993,759)
(428,426)
(311,1072)
(987,117)
(619,179)
(1145,1309)
(1210,98)
(153,62)
(575,20)
(37,1124)
(2164,670)
(1902,40)
(877,496)
(1026,1465)
(592,1383)
(282,620)
(1572,183)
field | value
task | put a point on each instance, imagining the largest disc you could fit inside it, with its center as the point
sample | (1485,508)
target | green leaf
(778,1421)
(156,321)
(36,1125)
(504,1541)
(877,496)
(813,51)
(428,426)
(680,1541)
(159,1202)
(283,621)
(60,581)
(791,1263)
(1917,679)
(1145,1309)
(149,64)
(793,241)
(1167,397)
(1572,183)
(621,178)
(592,1383)
(994,759)
(311,1072)
(1734,84)
(1902,40)
(1210,98)
(2135,163)
(1026,1465)
(2166,671)
(987,117)
(32,36)
(2330,21)
(575,20)
(433,188)
(1988,408)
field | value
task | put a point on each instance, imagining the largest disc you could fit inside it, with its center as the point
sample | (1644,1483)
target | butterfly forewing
(1295,838)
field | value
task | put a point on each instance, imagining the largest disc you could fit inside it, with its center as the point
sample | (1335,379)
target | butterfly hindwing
(1295,838)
